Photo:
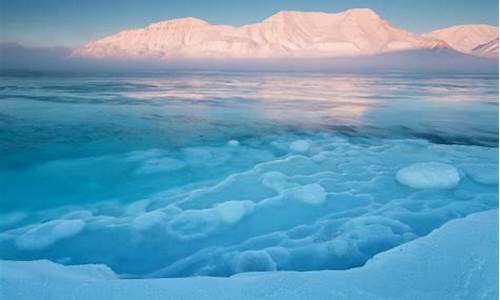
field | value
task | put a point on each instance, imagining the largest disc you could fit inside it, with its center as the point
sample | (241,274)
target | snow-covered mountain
(489,49)
(286,34)
(468,38)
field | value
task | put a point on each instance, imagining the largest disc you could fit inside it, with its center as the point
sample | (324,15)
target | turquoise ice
(187,174)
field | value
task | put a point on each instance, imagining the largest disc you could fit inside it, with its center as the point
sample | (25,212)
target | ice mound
(429,175)
(275,180)
(261,206)
(313,194)
(193,224)
(232,212)
(233,143)
(147,220)
(197,223)
(253,261)
(44,235)
(300,146)
(483,173)
(466,248)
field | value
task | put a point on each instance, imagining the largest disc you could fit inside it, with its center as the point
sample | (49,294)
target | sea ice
(193,224)
(233,143)
(482,173)
(44,235)
(313,194)
(253,261)
(429,175)
(147,220)
(274,180)
(462,248)
(323,211)
(164,164)
(233,211)
(300,146)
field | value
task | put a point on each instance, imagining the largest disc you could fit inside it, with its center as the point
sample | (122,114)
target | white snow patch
(466,251)
(147,220)
(193,224)
(276,181)
(253,261)
(232,212)
(233,143)
(44,235)
(429,175)
(300,146)
(313,194)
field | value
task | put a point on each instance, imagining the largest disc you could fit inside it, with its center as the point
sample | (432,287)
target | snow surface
(41,236)
(457,261)
(429,175)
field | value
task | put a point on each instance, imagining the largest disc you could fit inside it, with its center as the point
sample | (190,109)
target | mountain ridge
(285,34)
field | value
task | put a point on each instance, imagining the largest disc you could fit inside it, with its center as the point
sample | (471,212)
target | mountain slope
(286,34)
(489,49)
(465,38)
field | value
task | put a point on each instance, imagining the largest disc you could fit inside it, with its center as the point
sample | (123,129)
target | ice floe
(429,175)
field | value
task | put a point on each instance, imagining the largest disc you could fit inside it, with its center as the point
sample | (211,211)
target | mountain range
(288,34)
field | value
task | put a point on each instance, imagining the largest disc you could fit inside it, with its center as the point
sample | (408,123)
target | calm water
(185,167)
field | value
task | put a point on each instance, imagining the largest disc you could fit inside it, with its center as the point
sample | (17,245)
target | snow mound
(300,146)
(44,235)
(232,212)
(429,175)
(147,220)
(233,143)
(193,224)
(313,194)
(457,261)
(482,173)
(253,261)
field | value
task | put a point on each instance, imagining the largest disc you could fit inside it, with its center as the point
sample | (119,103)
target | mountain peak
(465,38)
(179,22)
(362,12)
(288,15)
(354,32)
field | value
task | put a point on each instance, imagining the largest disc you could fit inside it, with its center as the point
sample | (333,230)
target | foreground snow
(456,261)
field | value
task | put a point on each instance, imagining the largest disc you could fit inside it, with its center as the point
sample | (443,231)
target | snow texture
(456,261)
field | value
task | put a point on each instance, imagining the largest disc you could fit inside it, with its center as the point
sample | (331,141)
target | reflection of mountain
(355,32)
(466,38)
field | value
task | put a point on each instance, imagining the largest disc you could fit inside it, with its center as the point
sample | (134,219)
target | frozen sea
(184,174)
